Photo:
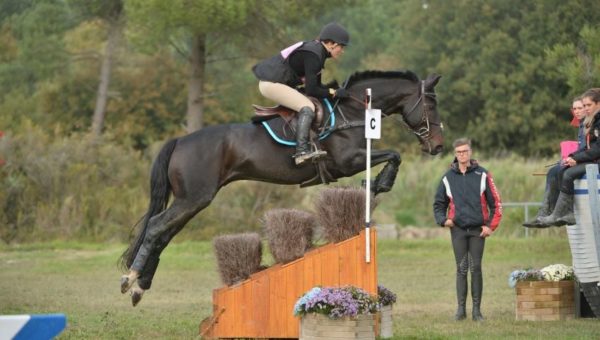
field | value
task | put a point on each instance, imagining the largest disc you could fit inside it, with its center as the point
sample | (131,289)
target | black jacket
(591,154)
(470,200)
(302,66)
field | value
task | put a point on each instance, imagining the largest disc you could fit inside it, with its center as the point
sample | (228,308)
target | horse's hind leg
(144,281)
(162,226)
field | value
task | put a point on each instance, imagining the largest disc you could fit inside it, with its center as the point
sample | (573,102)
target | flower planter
(386,322)
(315,326)
(543,300)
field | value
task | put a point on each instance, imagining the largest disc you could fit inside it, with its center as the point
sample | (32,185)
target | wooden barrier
(262,306)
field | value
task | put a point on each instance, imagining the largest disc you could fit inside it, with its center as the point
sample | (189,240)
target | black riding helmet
(336,33)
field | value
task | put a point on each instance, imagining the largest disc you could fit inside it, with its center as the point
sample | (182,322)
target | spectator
(467,202)
(574,165)
(551,191)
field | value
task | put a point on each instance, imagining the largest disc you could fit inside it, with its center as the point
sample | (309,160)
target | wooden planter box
(320,327)
(386,322)
(541,300)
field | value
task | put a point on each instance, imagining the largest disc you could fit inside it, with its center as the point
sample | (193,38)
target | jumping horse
(194,167)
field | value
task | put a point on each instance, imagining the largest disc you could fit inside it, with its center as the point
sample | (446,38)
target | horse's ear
(432,80)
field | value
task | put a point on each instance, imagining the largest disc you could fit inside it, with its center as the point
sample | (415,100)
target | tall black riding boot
(550,197)
(562,214)
(303,150)
(476,292)
(461,296)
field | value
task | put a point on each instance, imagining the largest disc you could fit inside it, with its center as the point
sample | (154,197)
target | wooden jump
(262,306)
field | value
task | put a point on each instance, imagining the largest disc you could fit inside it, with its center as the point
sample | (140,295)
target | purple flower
(386,296)
(336,302)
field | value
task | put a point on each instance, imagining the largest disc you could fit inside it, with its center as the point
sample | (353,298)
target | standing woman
(576,162)
(468,203)
(302,64)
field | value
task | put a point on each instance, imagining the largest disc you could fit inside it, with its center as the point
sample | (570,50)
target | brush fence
(263,306)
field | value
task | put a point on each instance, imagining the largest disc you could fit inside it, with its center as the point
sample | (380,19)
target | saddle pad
(282,133)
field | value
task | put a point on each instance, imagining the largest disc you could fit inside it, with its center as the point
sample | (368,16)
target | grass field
(82,281)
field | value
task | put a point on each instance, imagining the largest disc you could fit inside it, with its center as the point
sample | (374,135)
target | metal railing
(525,205)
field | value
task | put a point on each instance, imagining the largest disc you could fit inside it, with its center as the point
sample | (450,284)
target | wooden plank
(294,289)
(277,320)
(330,267)
(227,318)
(308,279)
(260,305)
(248,321)
(347,263)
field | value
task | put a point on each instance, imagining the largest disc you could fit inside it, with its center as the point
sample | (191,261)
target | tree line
(90,89)
(144,70)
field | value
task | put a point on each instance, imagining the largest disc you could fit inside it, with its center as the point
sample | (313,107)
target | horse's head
(404,93)
(419,112)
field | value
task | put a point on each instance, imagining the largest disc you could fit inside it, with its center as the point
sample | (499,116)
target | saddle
(283,132)
(265,113)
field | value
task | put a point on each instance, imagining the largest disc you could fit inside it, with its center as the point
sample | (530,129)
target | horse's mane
(358,76)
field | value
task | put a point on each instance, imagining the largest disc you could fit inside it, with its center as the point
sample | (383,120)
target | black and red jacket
(470,200)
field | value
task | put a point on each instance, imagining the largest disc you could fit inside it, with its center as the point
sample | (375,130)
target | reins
(423,132)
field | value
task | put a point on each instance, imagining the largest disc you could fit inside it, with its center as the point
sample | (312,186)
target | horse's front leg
(386,177)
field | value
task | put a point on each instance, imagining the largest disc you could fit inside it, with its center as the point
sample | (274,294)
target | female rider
(302,64)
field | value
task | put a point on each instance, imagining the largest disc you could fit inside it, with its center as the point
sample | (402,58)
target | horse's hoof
(128,280)
(136,296)
(125,284)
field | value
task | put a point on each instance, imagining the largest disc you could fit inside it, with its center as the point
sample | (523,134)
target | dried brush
(341,212)
(289,233)
(238,256)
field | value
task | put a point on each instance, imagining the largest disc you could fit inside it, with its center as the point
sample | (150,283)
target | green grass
(82,281)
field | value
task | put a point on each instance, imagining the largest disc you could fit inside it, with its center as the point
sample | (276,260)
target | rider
(302,64)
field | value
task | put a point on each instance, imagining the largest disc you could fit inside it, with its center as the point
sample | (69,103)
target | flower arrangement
(554,272)
(336,302)
(386,296)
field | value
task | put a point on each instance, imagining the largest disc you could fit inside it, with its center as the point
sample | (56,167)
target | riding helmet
(336,33)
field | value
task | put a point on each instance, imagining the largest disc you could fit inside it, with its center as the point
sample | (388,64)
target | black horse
(194,167)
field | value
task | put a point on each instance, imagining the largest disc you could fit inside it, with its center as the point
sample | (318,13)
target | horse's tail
(160,191)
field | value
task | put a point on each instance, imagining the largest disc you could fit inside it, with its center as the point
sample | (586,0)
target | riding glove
(342,93)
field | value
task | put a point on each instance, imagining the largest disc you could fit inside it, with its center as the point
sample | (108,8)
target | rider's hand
(341,93)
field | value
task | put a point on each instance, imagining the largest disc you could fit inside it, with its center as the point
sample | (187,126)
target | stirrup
(302,157)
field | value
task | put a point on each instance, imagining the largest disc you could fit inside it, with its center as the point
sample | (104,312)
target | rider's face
(336,50)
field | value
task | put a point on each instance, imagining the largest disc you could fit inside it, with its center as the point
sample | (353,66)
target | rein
(424,132)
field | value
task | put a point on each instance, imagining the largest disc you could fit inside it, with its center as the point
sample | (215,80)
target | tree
(170,21)
(256,26)
(578,62)
(111,12)
(498,87)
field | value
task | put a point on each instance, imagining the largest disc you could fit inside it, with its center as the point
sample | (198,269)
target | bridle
(424,130)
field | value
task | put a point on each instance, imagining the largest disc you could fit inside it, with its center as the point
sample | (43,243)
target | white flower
(556,272)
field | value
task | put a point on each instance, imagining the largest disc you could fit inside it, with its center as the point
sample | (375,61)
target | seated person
(551,193)
(574,165)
